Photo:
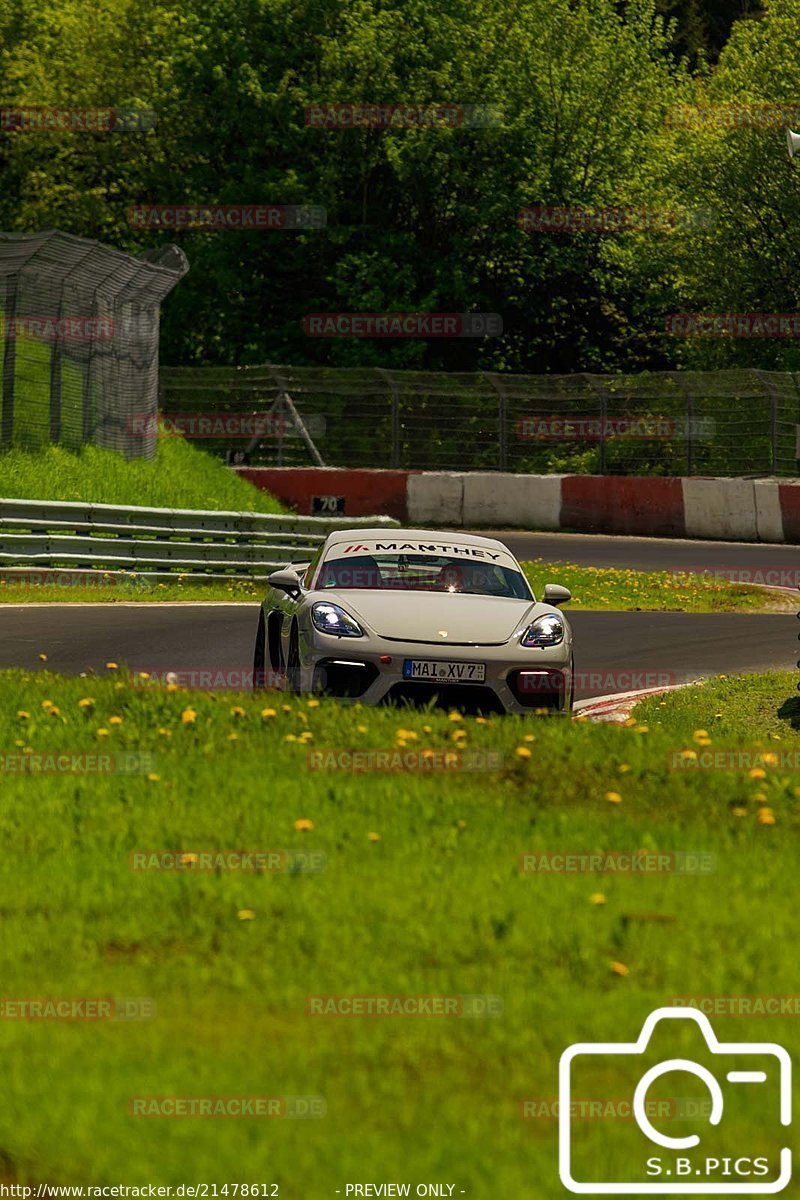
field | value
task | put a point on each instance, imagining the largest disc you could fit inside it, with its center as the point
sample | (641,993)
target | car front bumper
(517,680)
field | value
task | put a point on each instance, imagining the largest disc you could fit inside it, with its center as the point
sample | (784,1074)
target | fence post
(7,428)
(502,420)
(394,458)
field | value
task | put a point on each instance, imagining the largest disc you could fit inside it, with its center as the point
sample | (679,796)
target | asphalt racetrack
(211,644)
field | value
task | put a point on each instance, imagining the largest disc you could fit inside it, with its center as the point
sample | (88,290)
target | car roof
(431,536)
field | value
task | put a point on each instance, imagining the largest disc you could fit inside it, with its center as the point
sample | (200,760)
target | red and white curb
(618,708)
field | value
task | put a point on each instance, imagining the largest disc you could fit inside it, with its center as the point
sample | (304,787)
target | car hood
(422,616)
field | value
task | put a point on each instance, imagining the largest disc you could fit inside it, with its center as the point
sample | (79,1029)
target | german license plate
(439,671)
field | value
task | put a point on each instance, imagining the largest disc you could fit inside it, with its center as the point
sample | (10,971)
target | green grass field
(421,894)
(180,476)
(592,587)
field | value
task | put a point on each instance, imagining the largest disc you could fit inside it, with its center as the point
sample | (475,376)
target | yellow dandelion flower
(112,666)
(144,674)
(102,733)
(303,825)
(427,728)
(233,737)
(54,711)
(523,752)
(597,898)
(86,702)
(480,721)
(47,704)
(361,728)
(455,716)
(286,707)
(246,914)
(267,713)
(23,716)
(770,759)
(631,721)
(738,811)
(689,755)
(42,658)
(529,737)
(700,734)
(765,816)
(165,732)
(153,777)
(461,824)
(237,711)
(188,859)
(757,773)
(619,968)
(115,720)
(458,735)
(760,797)
(313,703)
(374,837)
(189,716)
(613,798)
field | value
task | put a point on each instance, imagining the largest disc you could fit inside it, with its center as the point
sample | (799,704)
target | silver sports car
(407,615)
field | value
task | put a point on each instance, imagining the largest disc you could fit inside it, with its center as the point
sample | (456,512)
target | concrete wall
(744,510)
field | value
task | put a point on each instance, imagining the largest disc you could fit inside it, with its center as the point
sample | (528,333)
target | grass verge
(592,587)
(421,894)
(623,590)
(180,476)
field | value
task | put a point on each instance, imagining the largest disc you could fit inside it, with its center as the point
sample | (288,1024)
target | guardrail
(161,542)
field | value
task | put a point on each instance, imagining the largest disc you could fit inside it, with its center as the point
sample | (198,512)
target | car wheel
(259,656)
(571,704)
(293,663)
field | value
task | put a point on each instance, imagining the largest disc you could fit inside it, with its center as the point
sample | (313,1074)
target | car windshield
(423,573)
